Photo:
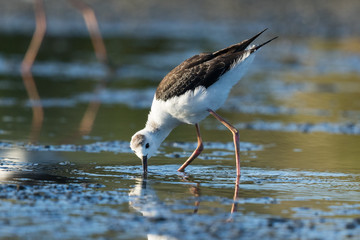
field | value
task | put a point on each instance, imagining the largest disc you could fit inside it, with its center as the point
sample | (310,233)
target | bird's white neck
(159,117)
(160,125)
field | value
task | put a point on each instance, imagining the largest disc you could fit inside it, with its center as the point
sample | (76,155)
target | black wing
(201,70)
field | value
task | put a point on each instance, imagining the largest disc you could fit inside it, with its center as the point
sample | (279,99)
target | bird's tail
(243,45)
(253,49)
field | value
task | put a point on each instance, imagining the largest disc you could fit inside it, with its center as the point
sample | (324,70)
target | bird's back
(200,70)
(203,69)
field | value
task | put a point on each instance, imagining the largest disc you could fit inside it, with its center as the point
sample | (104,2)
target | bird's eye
(147,145)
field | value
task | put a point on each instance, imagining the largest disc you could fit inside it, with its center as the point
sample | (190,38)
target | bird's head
(144,144)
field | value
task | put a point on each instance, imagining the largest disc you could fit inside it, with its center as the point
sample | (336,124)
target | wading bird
(189,93)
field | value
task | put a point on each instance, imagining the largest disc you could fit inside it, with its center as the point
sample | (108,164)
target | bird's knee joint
(201,147)
(236,132)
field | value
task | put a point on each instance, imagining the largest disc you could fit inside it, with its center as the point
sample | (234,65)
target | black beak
(144,164)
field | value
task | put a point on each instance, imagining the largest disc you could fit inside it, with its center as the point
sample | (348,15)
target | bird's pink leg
(235,133)
(93,27)
(26,65)
(236,194)
(37,38)
(197,151)
(87,122)
(235,199)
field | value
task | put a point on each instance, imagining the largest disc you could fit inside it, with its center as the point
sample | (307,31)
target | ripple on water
(332,128)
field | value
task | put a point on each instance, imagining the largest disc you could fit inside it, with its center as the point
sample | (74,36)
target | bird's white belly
(192,107)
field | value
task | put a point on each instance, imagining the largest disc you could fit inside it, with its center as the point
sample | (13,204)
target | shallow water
(298,111)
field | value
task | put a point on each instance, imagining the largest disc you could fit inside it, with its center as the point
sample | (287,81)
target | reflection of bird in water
(33,49)
(144,199)
(21,166)
(195,190)
(189,93)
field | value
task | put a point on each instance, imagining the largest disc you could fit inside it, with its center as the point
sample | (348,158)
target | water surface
(298,111)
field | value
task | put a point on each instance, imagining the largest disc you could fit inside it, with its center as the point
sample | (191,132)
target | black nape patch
(139,139)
